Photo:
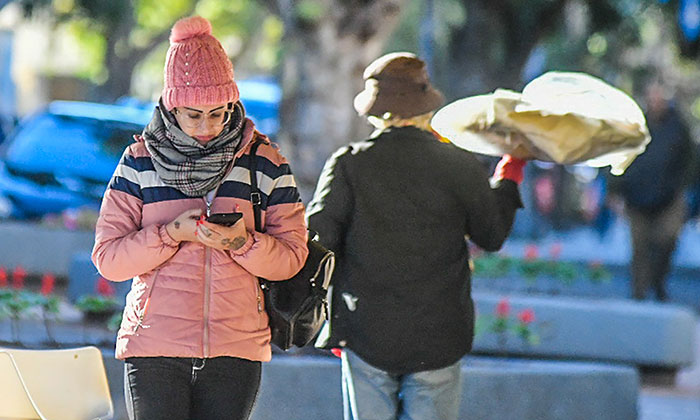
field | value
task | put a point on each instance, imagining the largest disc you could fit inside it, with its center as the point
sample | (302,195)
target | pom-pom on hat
(397,83)
(197,69)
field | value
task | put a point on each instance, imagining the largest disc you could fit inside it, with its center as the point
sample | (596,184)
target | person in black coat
(652,189)
(397,209)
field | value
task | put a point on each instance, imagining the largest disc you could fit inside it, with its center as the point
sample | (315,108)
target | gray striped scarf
(185,164)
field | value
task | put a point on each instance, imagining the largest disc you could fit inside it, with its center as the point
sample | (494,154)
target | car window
(70,145)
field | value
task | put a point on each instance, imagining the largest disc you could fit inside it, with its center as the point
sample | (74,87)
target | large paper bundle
(559,117)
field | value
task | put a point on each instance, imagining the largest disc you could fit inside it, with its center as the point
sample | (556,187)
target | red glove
(510,167)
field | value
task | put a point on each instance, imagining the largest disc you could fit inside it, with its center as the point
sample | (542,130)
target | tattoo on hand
(177,224)
(234,244)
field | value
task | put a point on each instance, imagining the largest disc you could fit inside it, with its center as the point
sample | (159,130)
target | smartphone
(224,219)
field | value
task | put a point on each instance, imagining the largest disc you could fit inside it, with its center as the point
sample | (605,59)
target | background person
(194,329)
(652,189)
(396,208)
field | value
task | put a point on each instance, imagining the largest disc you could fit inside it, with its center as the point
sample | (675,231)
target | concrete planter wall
(308,388)
(39,249)
(83,276)
(614,330)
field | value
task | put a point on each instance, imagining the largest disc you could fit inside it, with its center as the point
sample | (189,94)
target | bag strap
(255,197)
(328,261)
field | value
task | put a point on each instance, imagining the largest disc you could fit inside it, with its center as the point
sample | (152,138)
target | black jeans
(171,388)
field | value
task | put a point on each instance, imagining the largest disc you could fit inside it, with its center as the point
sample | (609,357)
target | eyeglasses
(192,118)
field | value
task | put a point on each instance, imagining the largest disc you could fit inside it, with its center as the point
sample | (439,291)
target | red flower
(104,288)
(526,316)
(503,308)
(531,252)
(3,277)
(48,281)
(18,276)
(595,264)
(555,250)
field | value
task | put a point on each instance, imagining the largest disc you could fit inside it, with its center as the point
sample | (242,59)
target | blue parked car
(261,99)
(63,156)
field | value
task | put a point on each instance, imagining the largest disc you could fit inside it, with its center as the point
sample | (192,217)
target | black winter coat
(659,174)
(396,209)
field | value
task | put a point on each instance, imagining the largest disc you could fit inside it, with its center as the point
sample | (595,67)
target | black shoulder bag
(297,307)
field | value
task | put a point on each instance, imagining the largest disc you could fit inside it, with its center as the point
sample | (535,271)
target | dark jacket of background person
(659,174)
(396,209)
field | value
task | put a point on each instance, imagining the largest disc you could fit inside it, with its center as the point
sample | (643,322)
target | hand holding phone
(224,219)
(231,238)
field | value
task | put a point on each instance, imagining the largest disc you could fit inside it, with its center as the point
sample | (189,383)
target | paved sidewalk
(661,405)
(680,402)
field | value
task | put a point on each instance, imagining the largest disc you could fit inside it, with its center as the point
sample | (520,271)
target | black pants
(654,239)
(190,389)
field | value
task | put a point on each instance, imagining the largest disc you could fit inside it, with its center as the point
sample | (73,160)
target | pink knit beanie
(197,69)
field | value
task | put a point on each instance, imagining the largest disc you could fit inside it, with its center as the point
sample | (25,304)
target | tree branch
(139,54)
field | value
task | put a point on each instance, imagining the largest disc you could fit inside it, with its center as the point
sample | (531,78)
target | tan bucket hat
(397,83)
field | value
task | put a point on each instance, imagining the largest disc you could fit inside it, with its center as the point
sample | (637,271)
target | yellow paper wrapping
(559,117)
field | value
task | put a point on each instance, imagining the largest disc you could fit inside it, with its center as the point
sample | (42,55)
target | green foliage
(138,28)
(504,325)
(96,304)
(526,334)
(491,265)
(156,16)
(92,48)
(566,272)
(695,108)
(598,273)
(50,304)
(14,303)
(450,14)
(309,10)
(530,269)
(114,322)
(104,12)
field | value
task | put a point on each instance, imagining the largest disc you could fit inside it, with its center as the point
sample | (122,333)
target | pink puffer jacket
(188,300)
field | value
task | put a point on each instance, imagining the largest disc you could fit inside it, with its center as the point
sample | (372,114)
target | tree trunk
(121,58)
(321,73)
(119,70)
(491,49)
(118,60)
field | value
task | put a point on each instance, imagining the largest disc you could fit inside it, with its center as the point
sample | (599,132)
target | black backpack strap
(255,196)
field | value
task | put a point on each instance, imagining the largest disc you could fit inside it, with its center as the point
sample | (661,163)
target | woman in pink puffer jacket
(194,329)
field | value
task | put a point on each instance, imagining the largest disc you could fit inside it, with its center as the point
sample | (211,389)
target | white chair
(68,384)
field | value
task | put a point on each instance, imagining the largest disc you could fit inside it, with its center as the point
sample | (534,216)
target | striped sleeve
(280,252)
(275,181)
(123,249)
(125,178)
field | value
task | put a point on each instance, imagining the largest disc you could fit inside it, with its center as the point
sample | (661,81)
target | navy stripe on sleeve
(122,184)
(240,190)
(265,166)
(156,194)
(284,195)
(139,163)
